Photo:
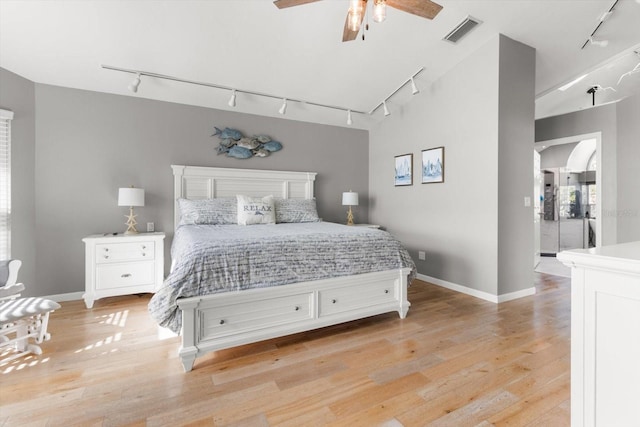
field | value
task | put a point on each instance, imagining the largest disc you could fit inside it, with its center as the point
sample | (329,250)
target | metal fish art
(233,144)
(227,133)
(239,152)
(261,152)
(263,138)
(249,143)
(272,146)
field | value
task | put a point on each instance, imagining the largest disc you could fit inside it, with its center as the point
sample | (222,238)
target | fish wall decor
(233,144)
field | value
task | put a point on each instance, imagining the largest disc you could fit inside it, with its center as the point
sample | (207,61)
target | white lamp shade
(131,197)
(350,198)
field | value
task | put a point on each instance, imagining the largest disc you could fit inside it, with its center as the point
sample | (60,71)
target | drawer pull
(106,249)
(106,256)
(125,275)
(386,291)
(334,301)
(297,308)
(143,254)
(222,321)
(144,247)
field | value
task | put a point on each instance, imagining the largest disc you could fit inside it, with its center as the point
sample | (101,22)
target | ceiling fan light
(283,109)
(232,100)
(379,10)
(354,16)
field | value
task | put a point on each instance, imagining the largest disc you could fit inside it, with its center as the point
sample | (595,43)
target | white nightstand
(122,265)
(367,225)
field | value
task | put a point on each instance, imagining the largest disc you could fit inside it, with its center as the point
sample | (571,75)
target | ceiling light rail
(414,90)
(603,18)
(285,100)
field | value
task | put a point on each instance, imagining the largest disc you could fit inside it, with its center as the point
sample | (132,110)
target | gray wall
(515,165)
(628,176)
(18,95)
(620,127)
(89,144)
(456,223)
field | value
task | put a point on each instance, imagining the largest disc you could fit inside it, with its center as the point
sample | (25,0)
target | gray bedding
(209,259)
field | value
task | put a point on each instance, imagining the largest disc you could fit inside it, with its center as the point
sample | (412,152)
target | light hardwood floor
(454,361)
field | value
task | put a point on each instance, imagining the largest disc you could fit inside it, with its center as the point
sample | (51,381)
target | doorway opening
(568,208)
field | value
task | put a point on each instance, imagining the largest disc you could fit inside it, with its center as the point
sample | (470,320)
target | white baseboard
(476,293)
(71,296)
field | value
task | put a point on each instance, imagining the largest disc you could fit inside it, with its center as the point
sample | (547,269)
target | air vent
(462,29)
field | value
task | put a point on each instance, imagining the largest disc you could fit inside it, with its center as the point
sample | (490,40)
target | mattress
(209,259)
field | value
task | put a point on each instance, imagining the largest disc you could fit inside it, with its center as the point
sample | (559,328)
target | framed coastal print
(404,170)
(433,165)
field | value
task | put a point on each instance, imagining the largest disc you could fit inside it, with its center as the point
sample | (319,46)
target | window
(5,183)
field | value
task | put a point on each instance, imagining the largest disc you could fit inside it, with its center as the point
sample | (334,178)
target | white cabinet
(122,265)
(605,335)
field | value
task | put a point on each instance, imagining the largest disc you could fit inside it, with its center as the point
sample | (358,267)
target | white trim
(476,293)
(71,296)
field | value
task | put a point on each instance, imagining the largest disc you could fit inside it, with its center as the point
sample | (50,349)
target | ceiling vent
(462,29)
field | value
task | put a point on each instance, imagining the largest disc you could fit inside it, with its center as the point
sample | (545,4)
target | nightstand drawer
(118,252)
(124,275)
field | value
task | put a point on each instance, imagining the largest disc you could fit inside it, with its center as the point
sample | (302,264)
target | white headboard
(196,182)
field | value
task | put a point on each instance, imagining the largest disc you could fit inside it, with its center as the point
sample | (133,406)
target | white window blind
(5,183)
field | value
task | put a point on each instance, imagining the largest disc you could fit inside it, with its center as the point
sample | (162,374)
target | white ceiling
(297,52)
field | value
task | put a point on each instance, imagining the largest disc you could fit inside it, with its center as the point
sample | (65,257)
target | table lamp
(350,198)
(131,197)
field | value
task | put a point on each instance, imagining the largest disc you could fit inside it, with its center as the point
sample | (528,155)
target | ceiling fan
(357,8)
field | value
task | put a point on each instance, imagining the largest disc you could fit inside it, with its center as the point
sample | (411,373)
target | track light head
(384,106)
(133,86)
(283,109)
(414,88)
(349,120)
(232,100)
(601,43)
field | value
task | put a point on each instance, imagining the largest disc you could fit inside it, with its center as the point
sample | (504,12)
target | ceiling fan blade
(281,4)
(424,8)
(349,34)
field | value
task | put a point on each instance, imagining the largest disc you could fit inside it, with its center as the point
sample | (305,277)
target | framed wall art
(404,170)
(433,165)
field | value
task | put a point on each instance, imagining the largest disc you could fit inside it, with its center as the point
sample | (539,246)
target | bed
(232,284)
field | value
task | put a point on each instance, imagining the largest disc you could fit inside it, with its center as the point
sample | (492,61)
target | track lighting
(601,43)
(414,88)
(283,109)
(133,87)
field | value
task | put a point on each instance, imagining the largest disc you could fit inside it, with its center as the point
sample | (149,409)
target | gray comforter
(209,259)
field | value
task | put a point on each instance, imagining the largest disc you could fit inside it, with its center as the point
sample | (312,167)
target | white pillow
(258,210)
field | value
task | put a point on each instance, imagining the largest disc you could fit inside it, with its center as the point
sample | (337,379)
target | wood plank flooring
(454,361)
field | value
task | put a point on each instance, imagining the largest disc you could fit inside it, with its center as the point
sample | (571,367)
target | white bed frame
(215,322)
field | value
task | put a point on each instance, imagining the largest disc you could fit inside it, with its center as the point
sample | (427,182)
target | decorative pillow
(208,211)
(296,210)
(258,210)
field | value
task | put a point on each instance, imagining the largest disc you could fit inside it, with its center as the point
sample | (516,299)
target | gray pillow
(296,210)
(223,210)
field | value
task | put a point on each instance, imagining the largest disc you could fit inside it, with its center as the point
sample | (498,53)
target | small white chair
(23,317)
